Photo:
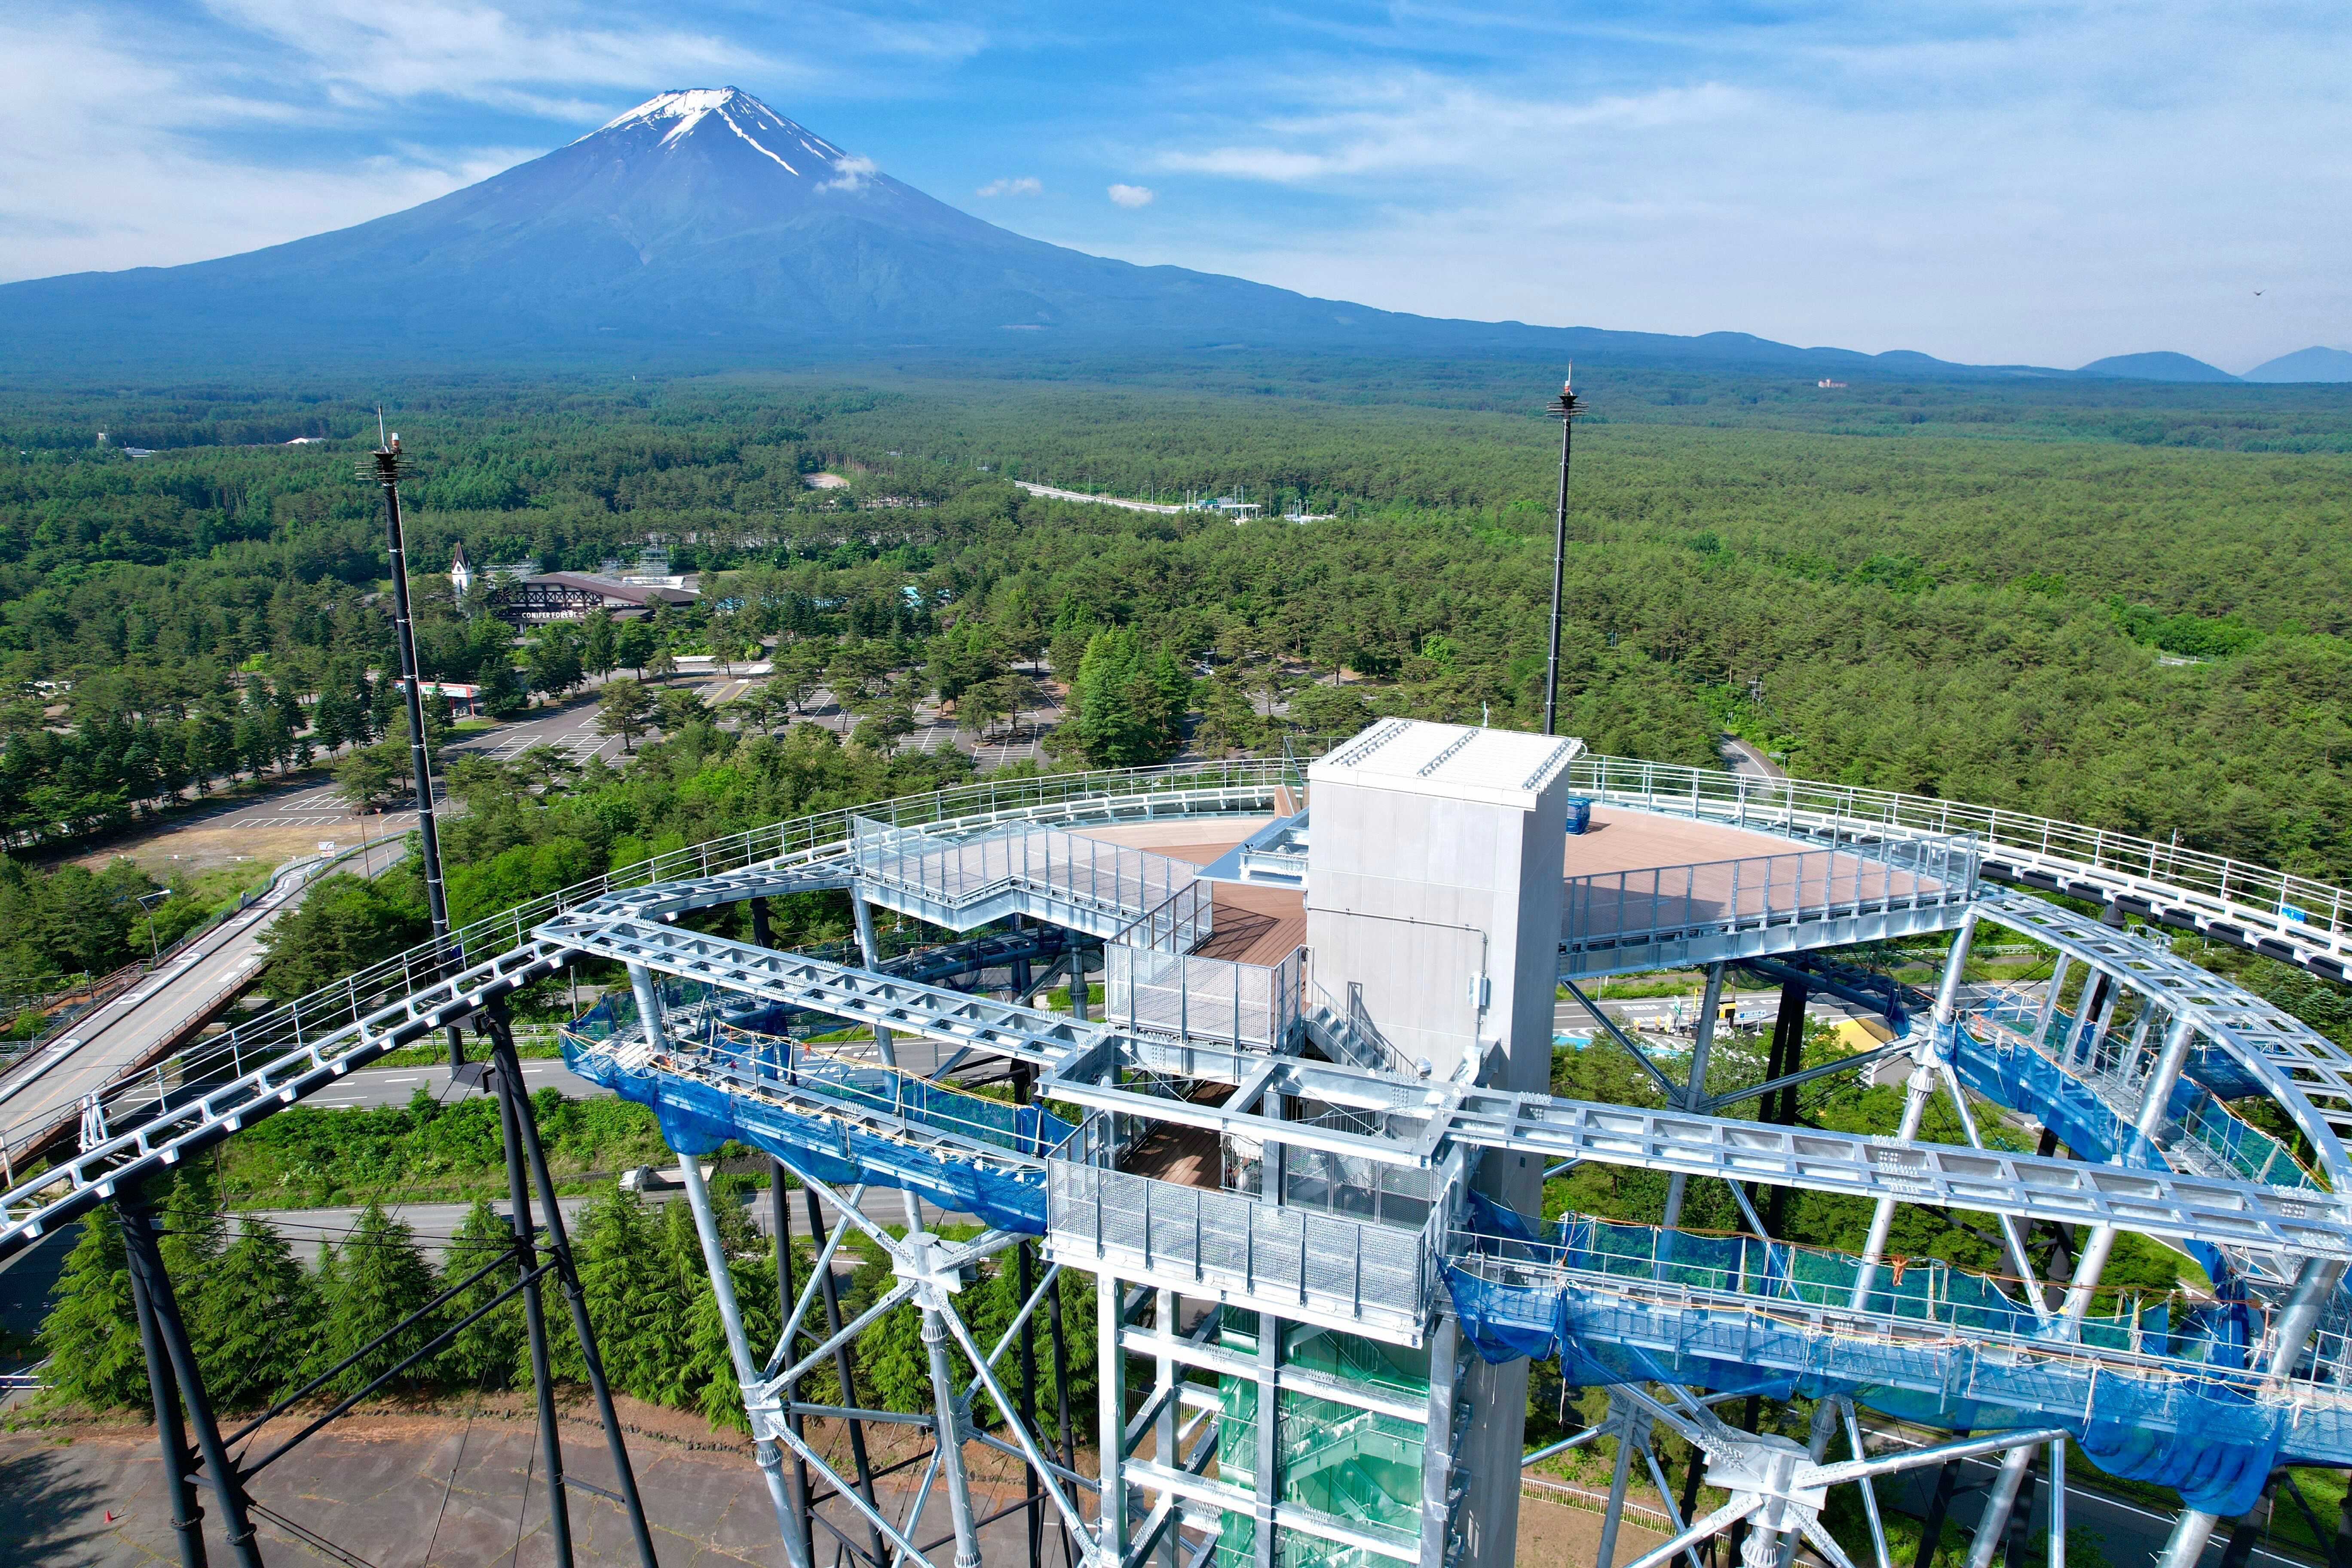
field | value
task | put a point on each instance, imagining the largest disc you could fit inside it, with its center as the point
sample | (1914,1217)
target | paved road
(434,1224)
(394,1086)
(1746,759)
(1050,493)
(46,1087)
(2129,1533)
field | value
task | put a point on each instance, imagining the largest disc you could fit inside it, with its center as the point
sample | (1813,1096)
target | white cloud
(1027,186)
(851,174)
(110,164)
(538,59)
(2028,192)
(1133,195)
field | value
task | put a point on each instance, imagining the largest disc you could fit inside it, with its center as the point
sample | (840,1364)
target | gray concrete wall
(1416,897)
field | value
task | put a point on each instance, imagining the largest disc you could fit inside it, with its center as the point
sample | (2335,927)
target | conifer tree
(486,1353)
(379,1279)
(91,1334)
(632,1295)
(256,1335)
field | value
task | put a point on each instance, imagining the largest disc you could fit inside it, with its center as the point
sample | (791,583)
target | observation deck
(1263,1139)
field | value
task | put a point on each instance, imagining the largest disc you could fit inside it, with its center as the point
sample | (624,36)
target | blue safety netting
(698,1114)
(2181,1412)
(2198,1102)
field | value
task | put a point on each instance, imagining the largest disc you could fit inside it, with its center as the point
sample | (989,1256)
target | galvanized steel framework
(1287,1306)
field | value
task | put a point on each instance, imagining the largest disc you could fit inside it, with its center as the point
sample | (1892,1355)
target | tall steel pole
(404,627)
(1564,408)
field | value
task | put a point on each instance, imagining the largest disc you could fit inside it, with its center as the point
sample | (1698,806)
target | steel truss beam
(2222,1212)
(2309,1075)
(2068,1192)
(115,1160)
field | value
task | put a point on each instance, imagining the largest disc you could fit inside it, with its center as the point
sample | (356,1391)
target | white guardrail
(2296,916)
(2312,917)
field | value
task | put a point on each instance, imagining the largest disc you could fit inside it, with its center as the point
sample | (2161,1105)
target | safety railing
(1860,875)
(1176,924)
(1247,1006)
(1293,1260)
(2209,1138)
(1244,785)
(1126,885)
(2295,905)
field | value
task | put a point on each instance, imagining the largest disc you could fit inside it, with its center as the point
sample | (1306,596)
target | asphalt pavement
(46,1087)
(394,1086)
(2129,1533)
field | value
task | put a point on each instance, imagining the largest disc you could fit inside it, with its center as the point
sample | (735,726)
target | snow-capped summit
(676,115)
(700,222)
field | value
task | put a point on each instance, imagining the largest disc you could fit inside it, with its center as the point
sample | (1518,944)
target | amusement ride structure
(1300,1148)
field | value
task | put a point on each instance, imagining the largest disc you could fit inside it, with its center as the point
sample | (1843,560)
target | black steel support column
(143,1259)
(779,1211)
(2021,1515)
(760,932)
(559,1244)
(2244,1536)
(1023,977)
(403,628)
(507,1082)
(1691,1476)
(831,1290)
(1939,1505)
(179,1464)
(1564,408)
(1789,1030)
(1786,1056)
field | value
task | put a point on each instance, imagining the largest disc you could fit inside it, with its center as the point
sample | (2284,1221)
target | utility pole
(1564,408)
(404,627)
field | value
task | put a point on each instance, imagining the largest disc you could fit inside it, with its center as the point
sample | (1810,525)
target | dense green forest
(1963,588)
(263,1325)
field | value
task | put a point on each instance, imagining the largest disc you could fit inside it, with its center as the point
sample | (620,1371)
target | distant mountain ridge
(2313,363)
(2160,366)
(702,224)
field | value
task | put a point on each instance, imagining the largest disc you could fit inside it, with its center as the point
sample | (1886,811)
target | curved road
(177,1000)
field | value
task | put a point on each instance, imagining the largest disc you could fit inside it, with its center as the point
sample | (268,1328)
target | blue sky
(2045,183)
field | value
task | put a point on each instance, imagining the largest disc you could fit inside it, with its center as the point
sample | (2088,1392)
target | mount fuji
(700,220)
(704,228)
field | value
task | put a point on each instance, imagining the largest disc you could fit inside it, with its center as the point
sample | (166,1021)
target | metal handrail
(297,1023)
(2293,906)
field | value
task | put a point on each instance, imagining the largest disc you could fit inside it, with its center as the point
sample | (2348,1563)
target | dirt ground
(406,1490)
(186,851)
(1553,1535)
(394,1490)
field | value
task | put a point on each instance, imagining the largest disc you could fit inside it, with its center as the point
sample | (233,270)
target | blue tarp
(697,1117)
(2179,1426)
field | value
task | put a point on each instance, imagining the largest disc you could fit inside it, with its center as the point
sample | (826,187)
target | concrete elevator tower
(1434,915)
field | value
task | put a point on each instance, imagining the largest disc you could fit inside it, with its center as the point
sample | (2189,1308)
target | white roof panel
(1500,767)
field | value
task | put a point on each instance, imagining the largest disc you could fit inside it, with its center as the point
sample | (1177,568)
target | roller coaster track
(306,1044)
(964,859)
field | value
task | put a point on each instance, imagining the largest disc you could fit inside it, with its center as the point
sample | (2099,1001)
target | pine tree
(633,1296)
(91,1334)
(708,1373)
(379,1278)
(256,1335)
(487,1353)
